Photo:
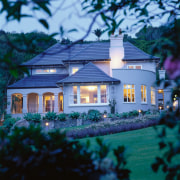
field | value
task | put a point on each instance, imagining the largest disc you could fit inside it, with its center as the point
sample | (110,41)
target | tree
(98,33)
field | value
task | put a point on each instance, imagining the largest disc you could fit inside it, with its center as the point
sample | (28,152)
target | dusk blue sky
(69,15)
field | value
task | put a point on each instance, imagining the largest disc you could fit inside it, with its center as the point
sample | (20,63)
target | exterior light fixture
(105,116)
(139,111)
(167,107)
(46,124)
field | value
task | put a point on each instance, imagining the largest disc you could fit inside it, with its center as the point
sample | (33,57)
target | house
(86,76)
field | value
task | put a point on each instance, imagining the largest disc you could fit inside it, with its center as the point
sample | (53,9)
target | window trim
(99,103)
(131,94)
(134,67)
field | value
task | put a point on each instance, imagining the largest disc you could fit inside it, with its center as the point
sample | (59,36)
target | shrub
(28,116)
(61,117)
(36,117)
(94,115)
(9,122)
(124,115)
(50,116)
(84,116)
(31,154)
(133,113)
(74,115)
(110,116)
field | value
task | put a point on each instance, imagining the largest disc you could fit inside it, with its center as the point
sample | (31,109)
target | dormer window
(134,66)
(45,71)
(75,69)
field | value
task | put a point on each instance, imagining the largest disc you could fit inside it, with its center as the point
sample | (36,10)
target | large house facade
(87,76)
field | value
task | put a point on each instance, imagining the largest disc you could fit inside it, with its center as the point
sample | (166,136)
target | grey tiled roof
(38,81)
(89,74)
(96,51)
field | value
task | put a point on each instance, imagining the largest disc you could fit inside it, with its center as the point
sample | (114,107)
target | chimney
(162,74)
(116,51)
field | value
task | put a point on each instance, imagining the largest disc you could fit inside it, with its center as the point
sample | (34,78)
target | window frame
(130,92)
(99,102)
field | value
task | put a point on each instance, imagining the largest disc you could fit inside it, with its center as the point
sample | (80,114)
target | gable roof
(59,54)
(38,81)
(89,74)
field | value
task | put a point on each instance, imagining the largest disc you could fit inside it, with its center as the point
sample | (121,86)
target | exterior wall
(25,92)
(150,66)
(104,66)
(80,108)
(138,78)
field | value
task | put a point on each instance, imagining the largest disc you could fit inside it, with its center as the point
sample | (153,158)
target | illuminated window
(94,94)
(17,103)
(143,94)
(44,71)
(74,94)
(129,93)
(103,94)
(134,66)
(88,94)
(48,102)
(74,70)
(153,96)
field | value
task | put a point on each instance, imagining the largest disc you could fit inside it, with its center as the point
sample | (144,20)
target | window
(16,103)
(44,71)
(94,94)
(134,66)
(143,94)
(48,102)
(74,70)
(103,94)
(129,93)
(153,96)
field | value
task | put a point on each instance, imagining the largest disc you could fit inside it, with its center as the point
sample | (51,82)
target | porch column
(40,109)
(24,110)
(56,107)
(9,102)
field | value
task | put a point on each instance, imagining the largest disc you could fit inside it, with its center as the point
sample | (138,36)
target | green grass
(141,150)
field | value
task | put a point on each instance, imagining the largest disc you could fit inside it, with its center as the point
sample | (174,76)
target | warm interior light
(91,88)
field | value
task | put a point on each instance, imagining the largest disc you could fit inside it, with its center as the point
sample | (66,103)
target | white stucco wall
(104,66)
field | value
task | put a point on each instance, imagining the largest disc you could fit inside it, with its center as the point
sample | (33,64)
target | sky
(69,15)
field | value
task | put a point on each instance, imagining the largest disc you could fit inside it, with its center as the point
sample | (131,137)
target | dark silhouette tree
(98,33)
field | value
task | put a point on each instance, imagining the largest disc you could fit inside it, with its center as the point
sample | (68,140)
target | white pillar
(24,103)
(56,103)
(40,109)
(162,74)
(9,102)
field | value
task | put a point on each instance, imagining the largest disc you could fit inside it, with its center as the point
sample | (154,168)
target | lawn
(142,148)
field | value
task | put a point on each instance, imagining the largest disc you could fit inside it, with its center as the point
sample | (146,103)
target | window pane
(46,70)
(75,94)
(52,70)
(141,93)
(74,70)
(125,95)
(17,103)
(129,95)
(138,67)
(144,93)
(130,67)
(88,94)
(103,94)
(133,95)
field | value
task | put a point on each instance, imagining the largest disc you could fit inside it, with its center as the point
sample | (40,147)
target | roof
(38,81)
(59,54)
(89,74)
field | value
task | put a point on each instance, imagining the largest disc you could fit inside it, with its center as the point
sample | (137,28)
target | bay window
(89,94)
(129,93)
